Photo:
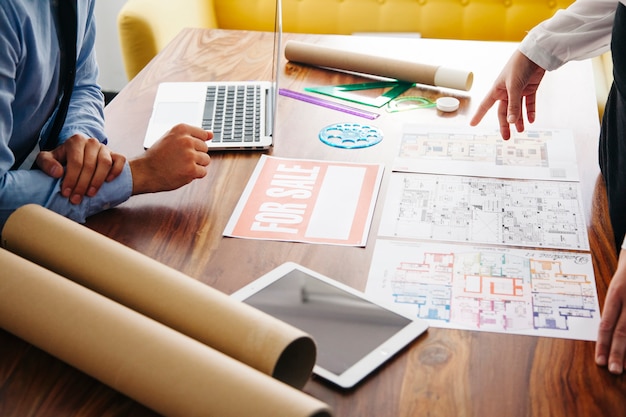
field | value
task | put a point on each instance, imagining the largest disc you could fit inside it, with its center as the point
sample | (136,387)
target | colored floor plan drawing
(539,214)
(490,289)
(533,154)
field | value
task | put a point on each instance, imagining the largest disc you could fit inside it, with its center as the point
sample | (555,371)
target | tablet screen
(345,325)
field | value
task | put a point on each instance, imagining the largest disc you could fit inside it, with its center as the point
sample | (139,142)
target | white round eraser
(448,104)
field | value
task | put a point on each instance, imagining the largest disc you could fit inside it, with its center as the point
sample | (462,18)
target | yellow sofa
(146,26)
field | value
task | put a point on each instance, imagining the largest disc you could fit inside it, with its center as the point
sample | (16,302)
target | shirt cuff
(540,56)
(109,195)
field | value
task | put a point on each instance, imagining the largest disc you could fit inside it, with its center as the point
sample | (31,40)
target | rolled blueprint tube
(155,365)
(324,56)
(161,293)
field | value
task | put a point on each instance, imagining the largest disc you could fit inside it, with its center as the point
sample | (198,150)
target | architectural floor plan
(533,154)
(479,233)
(533,292)
(540,214)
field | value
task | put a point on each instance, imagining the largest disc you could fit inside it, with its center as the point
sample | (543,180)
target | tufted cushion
(145,26)
(506,20)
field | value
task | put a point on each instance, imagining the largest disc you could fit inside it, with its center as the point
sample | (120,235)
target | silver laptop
(241,114)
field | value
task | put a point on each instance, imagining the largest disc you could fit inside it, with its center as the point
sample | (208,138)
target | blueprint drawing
(497,289)
(528,213)
(532,154)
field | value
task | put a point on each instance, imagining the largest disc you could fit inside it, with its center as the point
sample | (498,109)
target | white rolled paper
(402,70)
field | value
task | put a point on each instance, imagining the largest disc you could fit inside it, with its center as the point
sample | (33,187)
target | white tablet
(354,335)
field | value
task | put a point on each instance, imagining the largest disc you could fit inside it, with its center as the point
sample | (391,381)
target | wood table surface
(445,372)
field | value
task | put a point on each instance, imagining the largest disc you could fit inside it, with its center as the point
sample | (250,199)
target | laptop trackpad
(171,113)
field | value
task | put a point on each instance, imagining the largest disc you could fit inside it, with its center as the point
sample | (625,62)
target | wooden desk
(446,372)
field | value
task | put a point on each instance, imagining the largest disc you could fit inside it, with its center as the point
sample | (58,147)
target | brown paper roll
(161,293)
(165,370)
(324,56)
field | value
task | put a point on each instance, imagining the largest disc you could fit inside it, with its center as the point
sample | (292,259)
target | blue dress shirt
(29,85)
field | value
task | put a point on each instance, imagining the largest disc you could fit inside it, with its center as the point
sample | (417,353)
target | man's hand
(611,344)
(516,84)
(177,158)
(84,163)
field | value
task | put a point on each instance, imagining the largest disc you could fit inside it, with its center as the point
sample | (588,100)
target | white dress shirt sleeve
(581,31)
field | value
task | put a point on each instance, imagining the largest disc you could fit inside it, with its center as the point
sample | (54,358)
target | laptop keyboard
(233,113)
